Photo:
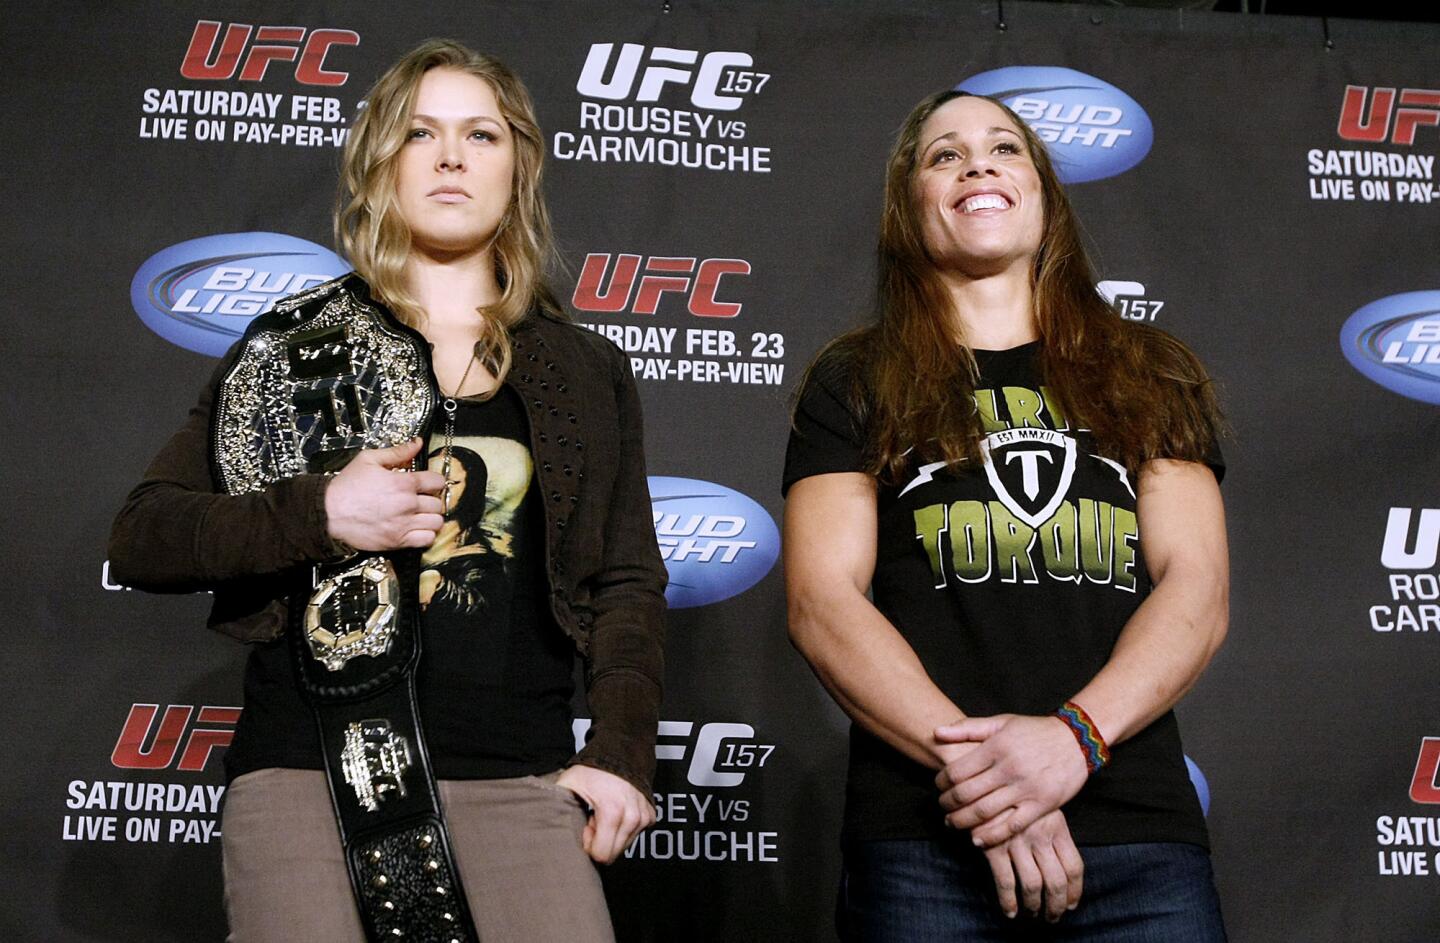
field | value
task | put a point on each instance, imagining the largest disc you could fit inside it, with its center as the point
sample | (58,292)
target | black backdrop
(1230,230)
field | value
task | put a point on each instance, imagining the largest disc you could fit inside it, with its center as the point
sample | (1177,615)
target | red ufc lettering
(311,70)
(130,751)
(202,61)
(1419,107)
(1355,124)
(647,299)
(588,296)
(703,303)
(1424,787)
(1408,119)
(662,275)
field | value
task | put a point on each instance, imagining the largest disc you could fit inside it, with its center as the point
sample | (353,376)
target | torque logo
(716,542)
(1419,107)
(1396,342)
(272,44)
(719,83)
(662,275)
(1029,502)
(1093,129)
(213,729)
(201,294)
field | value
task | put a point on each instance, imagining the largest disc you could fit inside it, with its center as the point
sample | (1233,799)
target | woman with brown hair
(534,515)
(1026,486)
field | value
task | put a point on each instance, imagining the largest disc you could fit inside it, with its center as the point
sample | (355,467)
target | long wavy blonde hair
(377,241)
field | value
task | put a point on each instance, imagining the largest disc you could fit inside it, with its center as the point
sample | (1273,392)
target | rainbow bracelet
(1097,754)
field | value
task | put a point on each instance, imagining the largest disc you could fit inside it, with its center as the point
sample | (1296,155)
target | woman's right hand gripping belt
(376,503)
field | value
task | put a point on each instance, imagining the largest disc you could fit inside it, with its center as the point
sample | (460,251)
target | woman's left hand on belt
(1022,769)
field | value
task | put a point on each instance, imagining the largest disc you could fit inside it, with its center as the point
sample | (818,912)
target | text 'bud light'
(202,293)
(716,542)
(1396,342)
(1091,128)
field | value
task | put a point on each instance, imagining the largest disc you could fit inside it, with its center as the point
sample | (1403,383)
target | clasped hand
(1005,778)
(1020,769)
(368,506)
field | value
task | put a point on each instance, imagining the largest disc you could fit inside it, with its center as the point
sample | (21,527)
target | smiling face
(455,172)
(976,191)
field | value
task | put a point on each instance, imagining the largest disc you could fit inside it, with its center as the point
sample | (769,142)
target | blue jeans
(919,890)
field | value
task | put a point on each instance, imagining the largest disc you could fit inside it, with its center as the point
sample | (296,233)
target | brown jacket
(175,533)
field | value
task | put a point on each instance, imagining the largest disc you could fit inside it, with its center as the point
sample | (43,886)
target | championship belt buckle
(375,760)
(353,613)
(322,376)
(305,396)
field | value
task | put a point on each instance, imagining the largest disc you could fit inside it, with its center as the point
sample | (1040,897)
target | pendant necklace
(450,406)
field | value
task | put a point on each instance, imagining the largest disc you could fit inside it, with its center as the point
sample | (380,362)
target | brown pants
(516,841)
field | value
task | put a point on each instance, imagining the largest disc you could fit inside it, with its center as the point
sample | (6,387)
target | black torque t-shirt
(495,677)
(1011,582)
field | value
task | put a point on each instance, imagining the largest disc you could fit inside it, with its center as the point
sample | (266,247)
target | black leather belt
(321,376)
(397,848)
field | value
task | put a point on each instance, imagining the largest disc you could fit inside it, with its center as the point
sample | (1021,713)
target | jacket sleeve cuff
(625,705)
(326,549)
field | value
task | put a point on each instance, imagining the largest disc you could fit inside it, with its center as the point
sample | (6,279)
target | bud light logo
(1396,342)
(1092,129)
(716,542)
(202,293)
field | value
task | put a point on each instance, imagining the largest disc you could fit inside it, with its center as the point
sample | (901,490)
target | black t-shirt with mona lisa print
(496,673)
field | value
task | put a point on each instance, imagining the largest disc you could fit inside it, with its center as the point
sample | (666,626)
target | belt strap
(397,848)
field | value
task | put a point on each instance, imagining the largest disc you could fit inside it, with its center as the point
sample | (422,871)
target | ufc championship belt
(323,375)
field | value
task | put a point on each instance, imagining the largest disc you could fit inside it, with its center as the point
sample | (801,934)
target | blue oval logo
(1396,342)
(1201,784)
(716,542)
(201,294)
(1092,129)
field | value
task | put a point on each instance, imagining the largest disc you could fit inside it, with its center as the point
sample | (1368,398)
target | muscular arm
(875,676)
(1032,764)
(1171,638)
(865,664)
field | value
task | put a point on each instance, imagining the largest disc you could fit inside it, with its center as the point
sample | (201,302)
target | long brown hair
(1141,393)
(376,240)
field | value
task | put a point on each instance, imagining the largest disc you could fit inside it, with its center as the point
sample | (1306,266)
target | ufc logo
(718,72)
(1398,551)
(662,275)
(1418,107)
(1425,787)
(213,729)
(272,43)
(718,754)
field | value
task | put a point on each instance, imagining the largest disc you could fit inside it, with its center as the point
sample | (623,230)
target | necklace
(450,406)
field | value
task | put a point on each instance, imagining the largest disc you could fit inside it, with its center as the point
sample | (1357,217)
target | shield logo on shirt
(1030,470)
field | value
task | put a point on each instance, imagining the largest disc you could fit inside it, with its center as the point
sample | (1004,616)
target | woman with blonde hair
(457,804)
(1026,486)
